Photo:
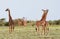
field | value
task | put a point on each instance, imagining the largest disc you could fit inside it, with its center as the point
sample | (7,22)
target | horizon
(30,9)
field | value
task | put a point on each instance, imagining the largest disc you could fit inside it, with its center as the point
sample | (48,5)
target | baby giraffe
(11,23)
(42,22)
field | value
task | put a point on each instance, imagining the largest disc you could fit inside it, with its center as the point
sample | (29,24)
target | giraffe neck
(9,15)
(9,12)
(44,17)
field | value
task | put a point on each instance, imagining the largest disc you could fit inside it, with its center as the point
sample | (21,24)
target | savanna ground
(29,32)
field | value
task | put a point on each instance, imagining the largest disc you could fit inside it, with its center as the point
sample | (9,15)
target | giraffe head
(45,10)
(7,9)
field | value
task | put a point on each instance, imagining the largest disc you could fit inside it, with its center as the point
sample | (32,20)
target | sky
(30,9)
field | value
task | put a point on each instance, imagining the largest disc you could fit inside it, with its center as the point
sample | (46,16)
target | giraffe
(11,23)
(22,21)
(42,22)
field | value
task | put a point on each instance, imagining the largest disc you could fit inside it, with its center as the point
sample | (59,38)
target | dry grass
(29,33)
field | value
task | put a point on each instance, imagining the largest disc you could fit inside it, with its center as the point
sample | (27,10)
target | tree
(2,21)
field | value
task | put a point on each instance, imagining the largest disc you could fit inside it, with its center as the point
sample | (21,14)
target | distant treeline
(3,22)
(54,22)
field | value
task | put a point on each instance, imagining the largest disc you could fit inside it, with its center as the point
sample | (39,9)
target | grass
(29,32)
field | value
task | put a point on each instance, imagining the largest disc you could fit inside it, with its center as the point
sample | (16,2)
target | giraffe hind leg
(43,29)
(10,29)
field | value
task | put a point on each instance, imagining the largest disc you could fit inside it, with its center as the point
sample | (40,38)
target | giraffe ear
(42,9)
(6,10)
(47,10)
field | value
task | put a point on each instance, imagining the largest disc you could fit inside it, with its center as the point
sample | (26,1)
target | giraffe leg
(43,29)
(47,28)
(37,28)
(10,29)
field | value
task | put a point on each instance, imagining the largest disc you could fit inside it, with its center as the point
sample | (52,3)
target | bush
(7,24)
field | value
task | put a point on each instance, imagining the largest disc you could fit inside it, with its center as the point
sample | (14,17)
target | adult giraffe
(22,21)
(11,23)
(42,22)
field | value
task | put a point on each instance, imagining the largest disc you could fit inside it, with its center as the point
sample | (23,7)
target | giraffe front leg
(37,28)
(10,29)
(47,31)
